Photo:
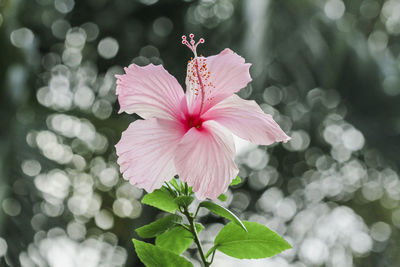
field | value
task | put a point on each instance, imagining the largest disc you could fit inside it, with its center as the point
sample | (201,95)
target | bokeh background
(327,70)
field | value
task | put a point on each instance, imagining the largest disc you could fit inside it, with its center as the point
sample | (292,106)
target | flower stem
(196,237)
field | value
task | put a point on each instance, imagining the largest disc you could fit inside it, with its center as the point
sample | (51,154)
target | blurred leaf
(158,227)
(161,199)
(223,212)
(184,201)
(223,197)
(258,242)
(177,239)
(153,256)
(237,180)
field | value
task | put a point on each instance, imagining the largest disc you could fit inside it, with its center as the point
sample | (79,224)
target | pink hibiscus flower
(189,134)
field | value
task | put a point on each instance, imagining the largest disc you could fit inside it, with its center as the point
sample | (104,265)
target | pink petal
(228,74)
(149,91)
(145,152)
(205,160)
(246,119)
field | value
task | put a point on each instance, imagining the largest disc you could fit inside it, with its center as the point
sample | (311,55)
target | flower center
(194,121)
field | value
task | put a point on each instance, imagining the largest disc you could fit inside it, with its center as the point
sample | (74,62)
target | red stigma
(192,45)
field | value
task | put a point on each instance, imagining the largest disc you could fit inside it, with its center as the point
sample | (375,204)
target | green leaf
(184,201)
(223,197)
(175,184)
(177,239)
(223,212)
(161,199)
(153,256)
(158,227)
(259,242)
(236,181)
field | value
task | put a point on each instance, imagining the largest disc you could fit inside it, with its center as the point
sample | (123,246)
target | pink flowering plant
(188,135)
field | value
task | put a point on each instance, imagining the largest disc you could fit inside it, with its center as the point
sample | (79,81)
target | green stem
(196,237)
(212,257)
(197,211)
(185,227)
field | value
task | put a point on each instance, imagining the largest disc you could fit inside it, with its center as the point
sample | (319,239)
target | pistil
(202,90)
(192,45)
